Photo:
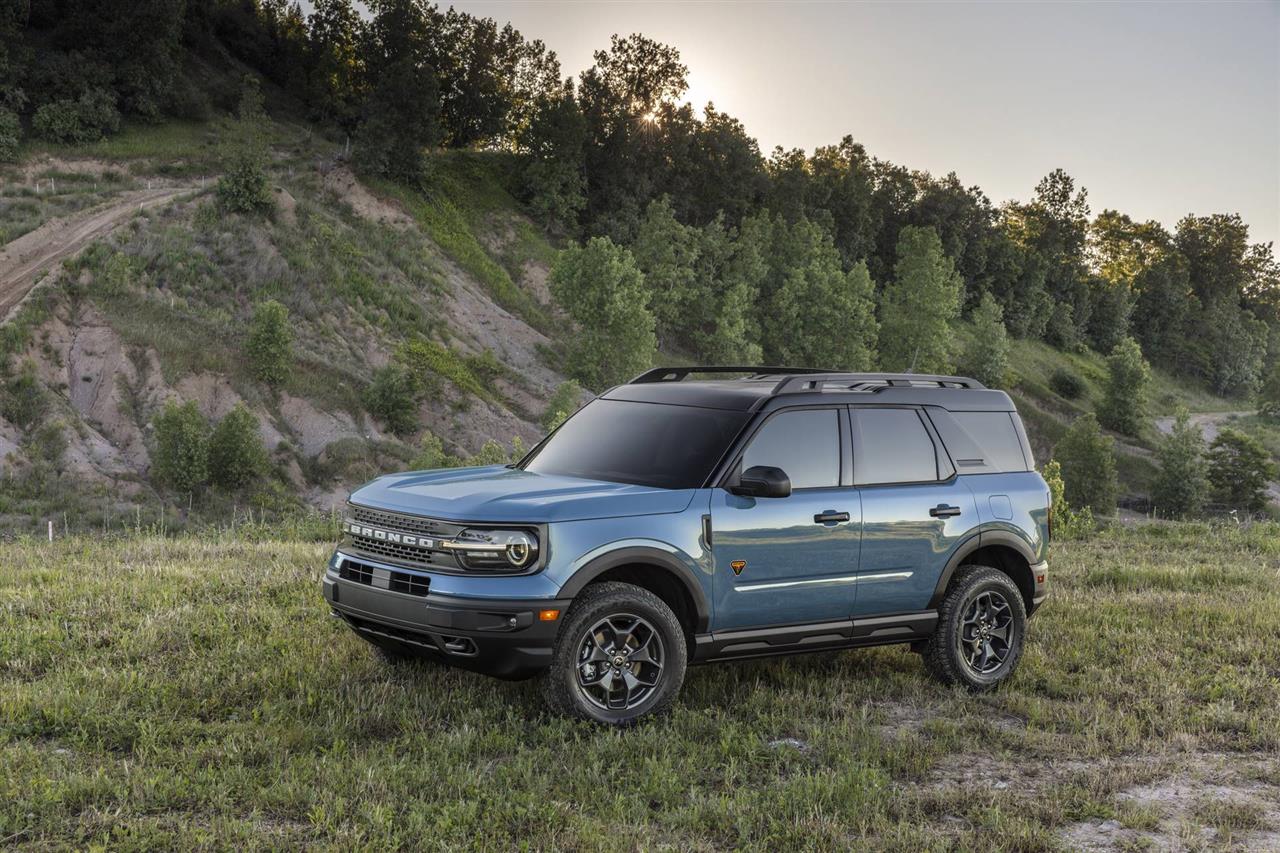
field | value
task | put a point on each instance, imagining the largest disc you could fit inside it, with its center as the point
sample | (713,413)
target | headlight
(493,549)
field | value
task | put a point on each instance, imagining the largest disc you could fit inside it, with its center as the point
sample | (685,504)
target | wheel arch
(1000,550)
(657,571)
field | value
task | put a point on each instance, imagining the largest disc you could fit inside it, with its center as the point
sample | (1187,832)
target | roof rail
(676,374)
(871,382)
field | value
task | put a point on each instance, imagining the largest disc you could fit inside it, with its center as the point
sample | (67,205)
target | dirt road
(23,261)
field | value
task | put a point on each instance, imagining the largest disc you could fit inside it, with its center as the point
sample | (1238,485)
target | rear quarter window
(981,442)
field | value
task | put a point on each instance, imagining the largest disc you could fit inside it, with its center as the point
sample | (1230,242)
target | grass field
(192,693)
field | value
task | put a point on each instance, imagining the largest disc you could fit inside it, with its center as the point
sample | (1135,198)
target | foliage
(1269,396)
(554,141)
(393,398)
(1065,383)
(84,119)
(1088,466)
(269,346)
(23,401)
(1239,470)
(180,459)
(1067,523)
(236,454)
(917,309)
(601,289)
(431,454)
(10,136)
(1128,376)
(242,188)
(987,358)
(1182,486)
(563,403)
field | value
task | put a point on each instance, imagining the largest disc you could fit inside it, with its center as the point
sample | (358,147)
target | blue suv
(674,521)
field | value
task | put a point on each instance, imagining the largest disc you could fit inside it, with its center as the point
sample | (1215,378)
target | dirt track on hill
(23,261)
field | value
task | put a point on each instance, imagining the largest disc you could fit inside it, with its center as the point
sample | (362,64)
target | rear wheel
(620,656)
(981,626)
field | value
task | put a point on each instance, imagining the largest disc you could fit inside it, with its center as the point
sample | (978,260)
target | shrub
(1269,396)
(22,401)
(1239,470)
(1067,523)
(431,454)
(1066,384)
(181,457)
(10,136)
(1182,483)
(392,397)
(270,344)
(47,444)
(86,119)
(243,185)
(1128,376)
(563,403)
(1087,459)
(236,454)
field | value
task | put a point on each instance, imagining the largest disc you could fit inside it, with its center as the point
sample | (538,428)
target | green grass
(192,692)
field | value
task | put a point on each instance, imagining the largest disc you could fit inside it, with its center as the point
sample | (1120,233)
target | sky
(1160,110)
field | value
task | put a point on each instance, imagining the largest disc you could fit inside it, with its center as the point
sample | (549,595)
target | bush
(1128,376)
(22,401)
(431,454)
(1066,384)
(1269,396)
(1182,484)
(1239,470)
(1067,523)
(47,444)
(181,457)
(563,403)
(10,136)
(270,344)
(236,454)
(1088,465)
(86,119)
(393,398)
(243,185)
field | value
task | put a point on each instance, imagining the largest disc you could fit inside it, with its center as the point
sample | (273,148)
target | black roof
(757,388)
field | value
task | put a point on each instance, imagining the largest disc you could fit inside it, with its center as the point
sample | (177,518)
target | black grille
(396,551)
(397,581)
(404,523)
(411,525)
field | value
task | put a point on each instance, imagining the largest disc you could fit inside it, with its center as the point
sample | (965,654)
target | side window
(995,433)
(892,446)
(805,444)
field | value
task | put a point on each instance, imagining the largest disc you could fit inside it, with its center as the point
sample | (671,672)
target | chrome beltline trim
(843,579)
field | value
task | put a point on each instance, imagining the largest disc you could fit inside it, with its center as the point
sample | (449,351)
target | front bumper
(504,638)
(1040,577)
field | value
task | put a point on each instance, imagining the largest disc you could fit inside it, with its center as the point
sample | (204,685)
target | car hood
(500,494)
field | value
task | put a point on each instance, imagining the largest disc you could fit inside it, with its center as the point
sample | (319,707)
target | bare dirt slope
(23,261)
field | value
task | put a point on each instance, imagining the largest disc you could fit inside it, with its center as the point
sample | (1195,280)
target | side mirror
(763,481)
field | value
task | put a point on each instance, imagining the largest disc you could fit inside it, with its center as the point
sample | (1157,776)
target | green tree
(563,403)
(10,136)
(1182,485)
(917,310)
(23,401)
(181,456)
(1068,523)
(270,343)
(431,454)
(243,185)
(393,398)
(1087,457)
(602,290)
(987,358)
(667,254)
(87,118)
(1239,470)
(555,141)
(1125,401)
(1269,396)
(236,454)
(728,327)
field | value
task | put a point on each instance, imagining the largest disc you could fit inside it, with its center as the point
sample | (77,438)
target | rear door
(915,511)
(796,557)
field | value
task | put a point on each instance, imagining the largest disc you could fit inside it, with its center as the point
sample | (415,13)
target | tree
(1128,375)
(270,343)
(10,136)
(1269,396)
(243,185)
(1182,484)
(1068,523)
(917,310)
(23,401)
(1239,470)
(87,118)
(987,358)
(728,328)
(602,290)
(554,141)
(393,397)
(1088,465)
(667,253)
(563,403)
(236,454)
(181,456)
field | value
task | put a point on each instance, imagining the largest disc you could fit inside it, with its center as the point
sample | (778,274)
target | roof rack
(871,382)
(676,374)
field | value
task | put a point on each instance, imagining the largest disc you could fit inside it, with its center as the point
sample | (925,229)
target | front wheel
(981,626)
(620,655)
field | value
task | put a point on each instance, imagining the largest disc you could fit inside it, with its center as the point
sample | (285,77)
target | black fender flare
(981,539)
(663,561)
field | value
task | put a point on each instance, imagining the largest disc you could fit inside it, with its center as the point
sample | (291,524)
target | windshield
(644,444)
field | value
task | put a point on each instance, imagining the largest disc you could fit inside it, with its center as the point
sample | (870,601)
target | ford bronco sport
(673,521)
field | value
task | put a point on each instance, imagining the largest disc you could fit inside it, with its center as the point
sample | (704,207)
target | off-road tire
(942,654)
(598,602)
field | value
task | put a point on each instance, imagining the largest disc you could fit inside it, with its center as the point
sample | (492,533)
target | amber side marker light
(548,615)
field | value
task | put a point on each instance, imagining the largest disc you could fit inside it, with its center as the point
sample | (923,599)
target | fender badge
(738,566)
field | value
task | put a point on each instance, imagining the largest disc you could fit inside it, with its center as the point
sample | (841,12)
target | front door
(793,560)
(915,511)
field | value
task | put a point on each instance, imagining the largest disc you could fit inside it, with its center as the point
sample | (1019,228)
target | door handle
(830,517)
(944,511)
